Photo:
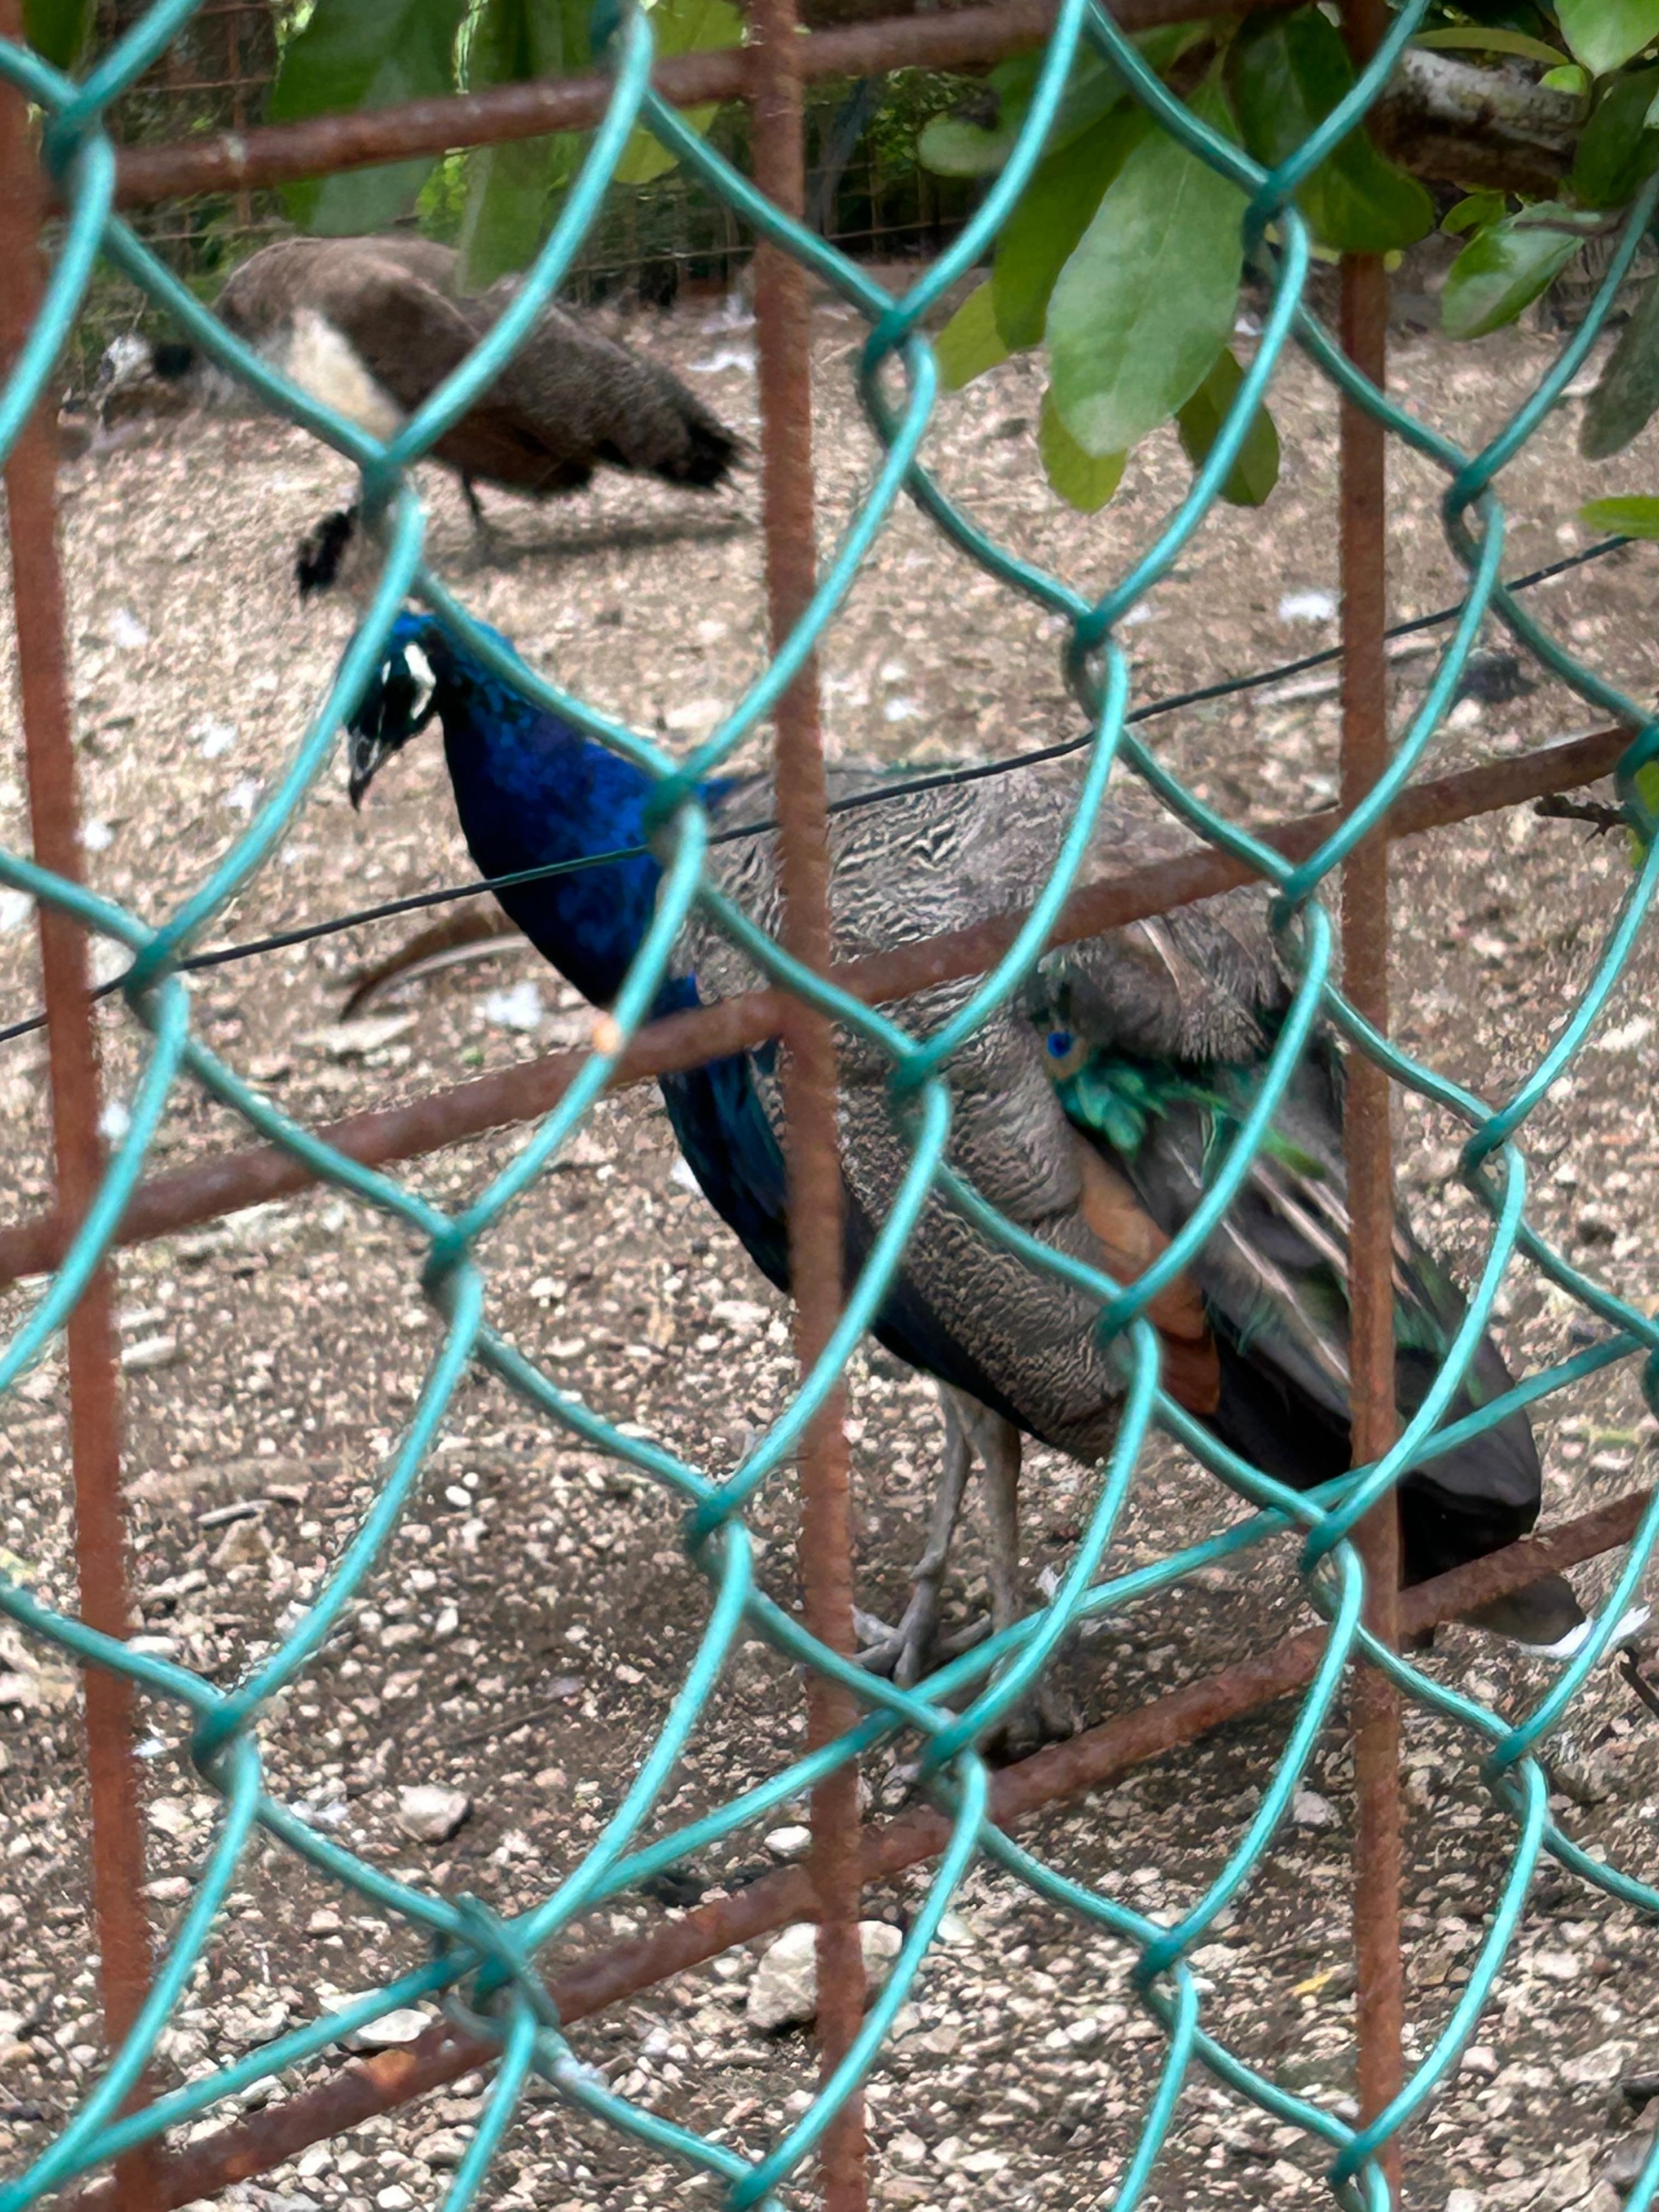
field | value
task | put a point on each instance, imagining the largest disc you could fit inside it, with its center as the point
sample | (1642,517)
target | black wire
(452,894)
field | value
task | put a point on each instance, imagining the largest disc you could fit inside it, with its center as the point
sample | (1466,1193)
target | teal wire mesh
(482,1965)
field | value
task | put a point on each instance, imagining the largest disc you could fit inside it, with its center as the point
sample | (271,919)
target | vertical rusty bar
(1380,1997)
(783,319)
(118,1840)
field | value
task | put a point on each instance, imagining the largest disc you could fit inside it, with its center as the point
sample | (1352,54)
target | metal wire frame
(1367,789)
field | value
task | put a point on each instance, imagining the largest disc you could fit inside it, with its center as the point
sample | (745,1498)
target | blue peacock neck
(532,790)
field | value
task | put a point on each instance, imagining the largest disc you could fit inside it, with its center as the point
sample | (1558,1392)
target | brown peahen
(371,326)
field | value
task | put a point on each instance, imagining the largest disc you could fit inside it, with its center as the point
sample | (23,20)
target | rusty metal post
(31,478)
(783,317)
(1380,1997)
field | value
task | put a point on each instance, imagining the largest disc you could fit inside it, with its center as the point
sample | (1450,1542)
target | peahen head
(422,673)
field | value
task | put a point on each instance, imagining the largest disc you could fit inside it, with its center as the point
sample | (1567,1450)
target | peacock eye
(1059,1043)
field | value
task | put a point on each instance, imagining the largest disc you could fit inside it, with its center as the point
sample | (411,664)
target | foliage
(58,29)
(371,53)
(1121,263)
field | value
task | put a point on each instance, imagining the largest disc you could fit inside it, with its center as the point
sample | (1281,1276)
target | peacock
(371,326)
(1090,1112)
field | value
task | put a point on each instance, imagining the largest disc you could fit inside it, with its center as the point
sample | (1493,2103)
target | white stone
(1310,1810)
(1306,607)
(353,1040)
(150,1352)
(789,1843)
(168,1816)
(520,1008)
(393,2027)
(784,1988)
(431,1815)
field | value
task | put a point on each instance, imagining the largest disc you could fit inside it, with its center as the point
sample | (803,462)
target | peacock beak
(368,749)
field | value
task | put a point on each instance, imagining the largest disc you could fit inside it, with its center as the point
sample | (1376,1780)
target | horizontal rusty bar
(282,153)
(224,1185)
(363,2087)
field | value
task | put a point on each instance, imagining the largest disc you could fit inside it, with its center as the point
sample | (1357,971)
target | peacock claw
(901,1652)
(1044,1715)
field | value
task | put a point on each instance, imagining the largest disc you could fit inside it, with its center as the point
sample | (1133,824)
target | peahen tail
(1274,1278)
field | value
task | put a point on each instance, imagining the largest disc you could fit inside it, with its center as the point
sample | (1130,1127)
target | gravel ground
(519,1641)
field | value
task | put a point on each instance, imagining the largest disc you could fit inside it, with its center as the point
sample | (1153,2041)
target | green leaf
(679,27)
(1625,517)
(1569,77)
(970,342)
(1084,481)
(508,186)
(1645,783)
(1255,472)
(975,142)
(1147,300)
(1491,40)
(1505,268)
(1475,212)
(1604,33)
(1617,152)
(1628,394)
(1287,75)
(1051,216)
(58,29)
(355,54)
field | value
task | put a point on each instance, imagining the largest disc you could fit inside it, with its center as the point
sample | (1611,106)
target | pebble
(1310,1810)
(402,2026)
(1629,2157)
(353,1040)
(150,1352)
(789,1843)
(431,1815)
(784,1988)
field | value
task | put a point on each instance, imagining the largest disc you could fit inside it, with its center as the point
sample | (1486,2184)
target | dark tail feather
(322,550)
(712,453)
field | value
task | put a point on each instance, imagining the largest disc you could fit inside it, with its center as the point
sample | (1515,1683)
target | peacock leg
(488,547)
(1042,1713)
(903,1651)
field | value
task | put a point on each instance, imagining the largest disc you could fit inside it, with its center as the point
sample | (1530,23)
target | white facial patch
(127,360)
(316,357)
(420,669)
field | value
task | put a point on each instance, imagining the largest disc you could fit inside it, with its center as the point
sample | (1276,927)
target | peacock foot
(1044,1715)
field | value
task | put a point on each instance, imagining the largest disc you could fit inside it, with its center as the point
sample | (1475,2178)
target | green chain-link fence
(486,1967)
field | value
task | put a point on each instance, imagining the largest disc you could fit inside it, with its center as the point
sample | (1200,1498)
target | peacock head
(397,701)
(423,672)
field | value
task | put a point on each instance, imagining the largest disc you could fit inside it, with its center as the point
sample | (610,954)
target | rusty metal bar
(223,1185)
(1379,1960)
(282,153)
(31,480)
(783,322)
(361,2089)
